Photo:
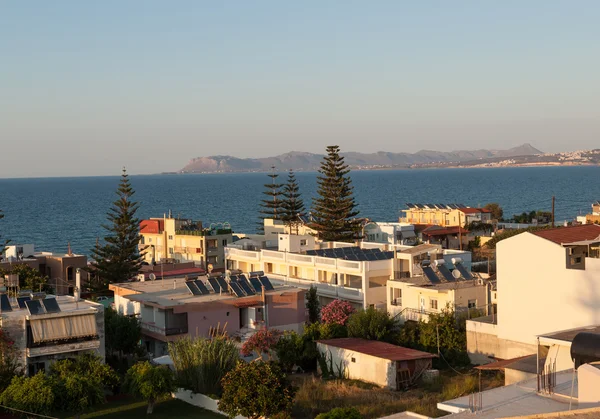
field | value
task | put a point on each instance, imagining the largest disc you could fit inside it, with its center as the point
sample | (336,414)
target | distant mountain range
(302,161)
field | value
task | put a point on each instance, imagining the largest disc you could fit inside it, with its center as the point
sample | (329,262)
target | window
(170,250)
(353,359)
(472,303)
(280,238)
(577,260)
(228,314)
(149,239)
(433,304)
(225,242)
(303,242)
(142,240)
(170,237)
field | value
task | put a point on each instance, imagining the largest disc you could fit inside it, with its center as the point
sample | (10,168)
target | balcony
(169,331)
(59,348)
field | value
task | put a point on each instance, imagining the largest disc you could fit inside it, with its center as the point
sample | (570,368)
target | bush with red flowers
(337,312)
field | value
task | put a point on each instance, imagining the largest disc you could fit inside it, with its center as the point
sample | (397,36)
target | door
(422,304)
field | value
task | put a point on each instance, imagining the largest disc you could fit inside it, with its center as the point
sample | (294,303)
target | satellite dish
(152,277)
(456,274)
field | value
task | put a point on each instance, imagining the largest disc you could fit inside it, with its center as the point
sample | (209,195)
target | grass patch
(316,396)
(131,408)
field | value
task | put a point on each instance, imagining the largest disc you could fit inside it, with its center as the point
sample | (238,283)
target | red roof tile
(377,349)
(472,210)
(570,234)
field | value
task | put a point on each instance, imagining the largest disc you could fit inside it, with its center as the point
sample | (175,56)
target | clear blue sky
(89,86)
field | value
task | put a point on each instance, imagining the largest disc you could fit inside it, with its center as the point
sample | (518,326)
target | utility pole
(459,230)
(553,199)
(437,330)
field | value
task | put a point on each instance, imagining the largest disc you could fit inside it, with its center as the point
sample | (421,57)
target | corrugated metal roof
(570,234)
(377,349)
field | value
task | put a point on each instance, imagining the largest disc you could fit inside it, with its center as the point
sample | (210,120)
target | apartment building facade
(430,279)
(172,239)
(60,268)
(44,336)
(299,261)
(168,311)
(445,215)
(547,281)
(390,233)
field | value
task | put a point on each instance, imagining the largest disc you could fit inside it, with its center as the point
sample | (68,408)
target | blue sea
(52,212)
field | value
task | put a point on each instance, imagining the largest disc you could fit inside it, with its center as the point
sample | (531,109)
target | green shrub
(341,413)
(201,363)
(373,324)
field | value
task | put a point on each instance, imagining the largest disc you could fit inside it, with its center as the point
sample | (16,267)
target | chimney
(77,291)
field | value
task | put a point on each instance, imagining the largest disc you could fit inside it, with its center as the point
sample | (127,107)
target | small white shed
(379,363)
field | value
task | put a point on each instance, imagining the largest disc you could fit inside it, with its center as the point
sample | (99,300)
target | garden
(281,381)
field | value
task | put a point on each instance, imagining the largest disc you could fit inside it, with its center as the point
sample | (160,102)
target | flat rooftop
(516,400)
(66,303)
(568,335)
(173,293)
(422,281)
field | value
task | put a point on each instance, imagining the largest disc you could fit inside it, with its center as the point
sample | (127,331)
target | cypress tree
(118,259)
(271,207)
(292,204)
(334,210)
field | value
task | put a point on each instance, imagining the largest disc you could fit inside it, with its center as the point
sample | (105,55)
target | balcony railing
(168,331)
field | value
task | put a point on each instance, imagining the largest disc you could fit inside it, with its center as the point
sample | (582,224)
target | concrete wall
(286,309)
(213,315)
(588,377)
(358,366)
(483,343)
(200,400)
(537,294)
(515,376)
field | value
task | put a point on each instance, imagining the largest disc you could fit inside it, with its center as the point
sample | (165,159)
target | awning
(61,328)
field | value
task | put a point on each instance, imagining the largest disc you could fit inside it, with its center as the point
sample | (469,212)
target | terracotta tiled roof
(570,234)
(377,349)
(472,210)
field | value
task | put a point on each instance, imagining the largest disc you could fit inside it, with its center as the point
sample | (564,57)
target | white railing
(271,254)
(322,288)
(349,264)
(300,258)
(247,254)
(324,261)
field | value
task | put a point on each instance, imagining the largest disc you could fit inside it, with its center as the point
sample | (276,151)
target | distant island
(524,155)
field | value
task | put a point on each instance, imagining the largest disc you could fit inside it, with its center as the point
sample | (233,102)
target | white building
(46,335)
(547,281)
(386,365)
(390,233)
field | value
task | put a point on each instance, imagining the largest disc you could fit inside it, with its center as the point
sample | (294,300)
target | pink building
(168,311)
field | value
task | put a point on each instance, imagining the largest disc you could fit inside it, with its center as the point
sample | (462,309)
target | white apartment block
(547,281)
(358,274)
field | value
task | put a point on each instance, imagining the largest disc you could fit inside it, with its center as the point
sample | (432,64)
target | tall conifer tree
(292,204)
(271,206)
(119,259)
(334,210)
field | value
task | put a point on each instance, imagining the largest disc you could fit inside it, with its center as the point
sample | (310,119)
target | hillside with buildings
(302,161)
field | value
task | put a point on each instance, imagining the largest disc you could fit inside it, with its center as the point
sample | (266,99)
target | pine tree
(3,243)
(334,210)
(292,204)
(118,259)
(271,207)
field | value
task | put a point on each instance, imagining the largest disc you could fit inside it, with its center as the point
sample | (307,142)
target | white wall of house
(537,294)
(295,243)
(125,306)
(358,366)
